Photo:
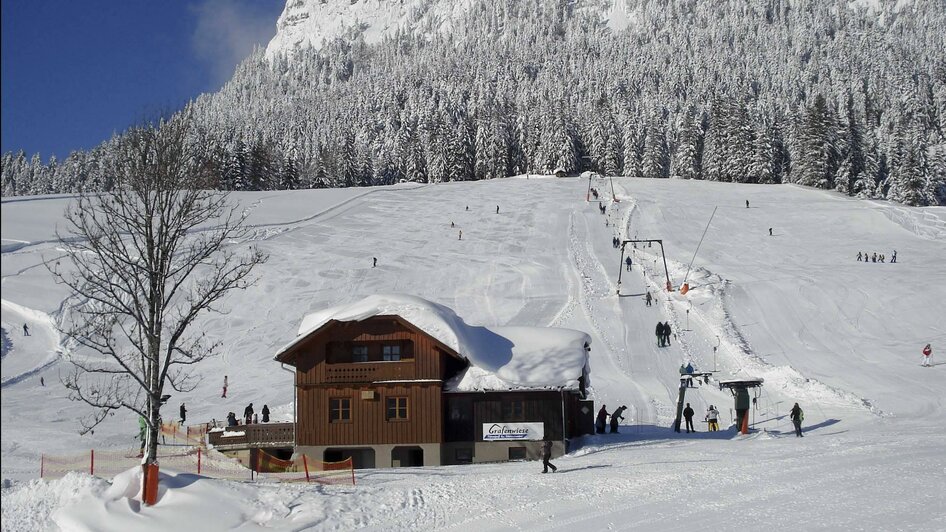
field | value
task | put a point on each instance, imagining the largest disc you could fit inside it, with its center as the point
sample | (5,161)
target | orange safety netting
(197,460)
(304,469)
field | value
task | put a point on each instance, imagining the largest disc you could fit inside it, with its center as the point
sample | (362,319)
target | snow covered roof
(501,358)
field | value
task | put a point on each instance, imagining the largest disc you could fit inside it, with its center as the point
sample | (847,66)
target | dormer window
(391,353)
(359,353)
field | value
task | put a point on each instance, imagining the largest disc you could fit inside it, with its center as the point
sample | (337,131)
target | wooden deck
(254,436)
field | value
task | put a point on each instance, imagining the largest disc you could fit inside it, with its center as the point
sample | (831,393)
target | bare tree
(149,257)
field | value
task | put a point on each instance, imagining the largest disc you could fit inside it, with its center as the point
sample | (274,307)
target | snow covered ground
(840,337)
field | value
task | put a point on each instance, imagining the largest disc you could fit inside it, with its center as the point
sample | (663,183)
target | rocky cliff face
(307,23)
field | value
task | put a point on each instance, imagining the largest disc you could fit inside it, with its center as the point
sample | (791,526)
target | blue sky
(74,72)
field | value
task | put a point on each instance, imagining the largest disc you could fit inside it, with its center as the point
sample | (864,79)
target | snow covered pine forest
(835,94)
(844,96)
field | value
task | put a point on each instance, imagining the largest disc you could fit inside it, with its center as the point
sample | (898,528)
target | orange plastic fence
(304,469)
(197,460)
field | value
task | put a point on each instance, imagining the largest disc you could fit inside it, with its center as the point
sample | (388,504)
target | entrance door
(407,457)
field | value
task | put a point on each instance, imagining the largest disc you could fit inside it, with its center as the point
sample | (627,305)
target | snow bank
(502,358)
(184,501)
(29,506)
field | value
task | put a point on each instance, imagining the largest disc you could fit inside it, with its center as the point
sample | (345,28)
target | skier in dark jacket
(231,419)
(660,334)
(183,414)
(600,421)
(265,412)
(666,333)
(648,299)
(546,455)
(688,416)
(627,261)
(248,413)
(615,417)
(797,417)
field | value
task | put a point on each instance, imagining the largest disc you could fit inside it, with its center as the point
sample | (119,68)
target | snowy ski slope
(840,337)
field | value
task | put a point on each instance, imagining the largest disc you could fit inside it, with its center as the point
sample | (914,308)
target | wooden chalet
(389,393)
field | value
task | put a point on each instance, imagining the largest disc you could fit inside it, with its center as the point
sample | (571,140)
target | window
(391,353)
(514,410)
(396,408)
(339,410)
(517,453)
(359,353)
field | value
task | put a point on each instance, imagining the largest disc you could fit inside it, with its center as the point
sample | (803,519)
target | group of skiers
(874,257)
(616,417)
(663,333)
(249,416)
(711,417)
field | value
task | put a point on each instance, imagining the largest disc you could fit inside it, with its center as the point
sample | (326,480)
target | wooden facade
(373,390)
(327,373)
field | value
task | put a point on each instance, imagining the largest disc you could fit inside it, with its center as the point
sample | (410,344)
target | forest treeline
(818,93)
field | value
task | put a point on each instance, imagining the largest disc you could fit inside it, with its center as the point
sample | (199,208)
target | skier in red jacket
(927,355)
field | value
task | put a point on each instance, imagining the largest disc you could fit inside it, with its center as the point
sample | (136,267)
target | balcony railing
(253,435)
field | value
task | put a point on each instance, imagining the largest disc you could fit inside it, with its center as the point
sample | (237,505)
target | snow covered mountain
(310,23)
(839,336)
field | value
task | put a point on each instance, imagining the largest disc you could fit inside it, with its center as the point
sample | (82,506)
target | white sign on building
(513,431)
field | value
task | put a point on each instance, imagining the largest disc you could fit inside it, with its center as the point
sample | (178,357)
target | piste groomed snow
(841,337)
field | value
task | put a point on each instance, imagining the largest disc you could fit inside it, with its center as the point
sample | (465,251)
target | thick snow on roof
(501,358)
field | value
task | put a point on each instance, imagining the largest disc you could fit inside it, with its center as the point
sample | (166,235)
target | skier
(881,257)
(649,298)
(628,263)
(497,209)
(224,387)
(712,418)
(615,417)
(893,258)
(873,258)
(600,421)
(660,334)
(688,416)
(858,256)
(375,265)
(797,417)
(452,225)
(460,236)
(42,382)
(26,330)
(689,368)
(770,231)
(747,204)
(667,333)
(683,369)
(265,414)
(231,419)
(927,355)
(248,413)
(183,414)
(546,455)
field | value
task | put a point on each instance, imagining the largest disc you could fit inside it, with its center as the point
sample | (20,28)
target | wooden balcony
(254,436)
